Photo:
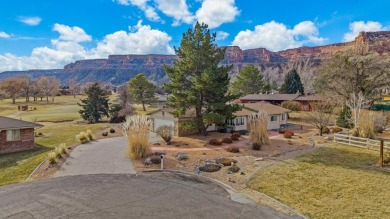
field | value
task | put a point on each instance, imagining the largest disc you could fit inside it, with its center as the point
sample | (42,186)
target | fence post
(381,153)
(368,143)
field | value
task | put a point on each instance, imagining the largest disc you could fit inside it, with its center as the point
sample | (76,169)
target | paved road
(152,195)
(102,156)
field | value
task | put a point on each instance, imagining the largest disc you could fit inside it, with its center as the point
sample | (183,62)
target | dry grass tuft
(258,128)
(137,129)
(52,157)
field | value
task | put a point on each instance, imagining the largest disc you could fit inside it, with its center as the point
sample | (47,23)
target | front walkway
(107,156)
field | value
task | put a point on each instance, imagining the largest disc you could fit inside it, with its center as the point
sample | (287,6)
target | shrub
(344,120)
(325,130)
(40,133)
(90,136)
(112,130)
(63,148)
(58,152)
(236,134)
(233,149)
(225,161)
(52,157)
(288,134)
(105,133)
(210,168)
(155,159)
(234,138)
(181,156)
(336,129)
(82,137)
(137,129)
(214,142)
(291,105)
(227,140)
(256,146)
(165,132)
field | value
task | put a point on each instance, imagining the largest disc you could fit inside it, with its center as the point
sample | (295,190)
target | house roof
(269,97)
(10,123)
(267,107)
(309,98)
(190,113)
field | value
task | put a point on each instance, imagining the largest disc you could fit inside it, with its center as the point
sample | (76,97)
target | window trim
(13,135)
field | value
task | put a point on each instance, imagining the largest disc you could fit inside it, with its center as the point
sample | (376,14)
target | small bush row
(84,137)
(58,152)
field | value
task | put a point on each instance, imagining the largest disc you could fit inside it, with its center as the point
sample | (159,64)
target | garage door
(160,122)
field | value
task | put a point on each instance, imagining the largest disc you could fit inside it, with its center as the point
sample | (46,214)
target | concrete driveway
(152,195)
(105,156)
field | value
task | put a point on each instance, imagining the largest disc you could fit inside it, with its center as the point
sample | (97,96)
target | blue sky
(51,33)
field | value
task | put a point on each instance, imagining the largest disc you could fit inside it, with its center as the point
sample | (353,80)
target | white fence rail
(360,142)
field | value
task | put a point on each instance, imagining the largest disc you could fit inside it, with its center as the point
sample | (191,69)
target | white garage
(161,122)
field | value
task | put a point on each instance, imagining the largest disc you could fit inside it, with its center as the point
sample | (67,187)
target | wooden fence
(360,142)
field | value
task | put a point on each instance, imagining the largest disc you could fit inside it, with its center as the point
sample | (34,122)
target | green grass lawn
(335,181)
(16,167)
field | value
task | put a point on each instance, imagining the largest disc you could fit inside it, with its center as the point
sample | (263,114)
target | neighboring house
(386,97)
(163,117)
(278,99)
(277,117)
(275,99)
(16,135)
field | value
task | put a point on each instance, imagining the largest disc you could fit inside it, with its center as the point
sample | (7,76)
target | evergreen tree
(197,81)
(249,81)
(95,105)
(292,83)
(344,120)
(142,91)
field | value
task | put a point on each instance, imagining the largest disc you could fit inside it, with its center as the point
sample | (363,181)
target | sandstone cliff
(118,69)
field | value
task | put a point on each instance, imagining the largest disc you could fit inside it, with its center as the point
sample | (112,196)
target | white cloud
(4,35)
(177,9)
(217,12)
(359,26)
(31,21)
(221,35)
(66,49)
(142,40)
(149,11)
(277,36)
(75,34)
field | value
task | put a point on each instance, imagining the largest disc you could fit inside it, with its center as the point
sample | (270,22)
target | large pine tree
(249,81)
(95,106)
(292,83)
(197,81)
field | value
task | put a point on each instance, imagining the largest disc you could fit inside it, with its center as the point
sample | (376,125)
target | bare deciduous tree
(74,87)
(321,115)
(356,103)
(49,86)
(11,87)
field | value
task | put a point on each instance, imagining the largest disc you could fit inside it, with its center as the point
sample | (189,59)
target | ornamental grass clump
(63,148)
(165,132)
(258,128)
(137,129)
(52,157)
(90,136)
(82,138)
(58,152)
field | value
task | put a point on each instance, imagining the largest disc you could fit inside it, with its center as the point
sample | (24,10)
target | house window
(13,135)
(274,118)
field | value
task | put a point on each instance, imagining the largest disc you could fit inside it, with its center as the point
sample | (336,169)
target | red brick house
(16,135)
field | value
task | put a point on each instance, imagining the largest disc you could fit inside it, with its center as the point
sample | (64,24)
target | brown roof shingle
(10,123)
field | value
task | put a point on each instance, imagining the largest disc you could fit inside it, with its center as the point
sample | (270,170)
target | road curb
(36,169)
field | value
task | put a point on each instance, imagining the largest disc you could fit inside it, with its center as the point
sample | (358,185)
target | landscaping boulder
(159,153)
(233,169)
(210,168)
(152,160)
(225,161)
(181,156)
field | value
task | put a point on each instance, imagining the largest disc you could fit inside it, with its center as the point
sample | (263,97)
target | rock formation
(118,69)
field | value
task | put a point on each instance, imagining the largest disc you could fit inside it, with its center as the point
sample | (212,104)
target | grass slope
(336,181)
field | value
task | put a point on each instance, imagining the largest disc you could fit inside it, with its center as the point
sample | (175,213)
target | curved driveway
(152,195)
(104,156)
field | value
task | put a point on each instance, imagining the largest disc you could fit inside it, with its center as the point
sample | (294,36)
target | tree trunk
(143,106)
(13,100)
(47,98)
(320,131)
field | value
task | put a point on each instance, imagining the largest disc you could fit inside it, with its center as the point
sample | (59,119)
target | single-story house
(16,135)
(278,99)
(277,117)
